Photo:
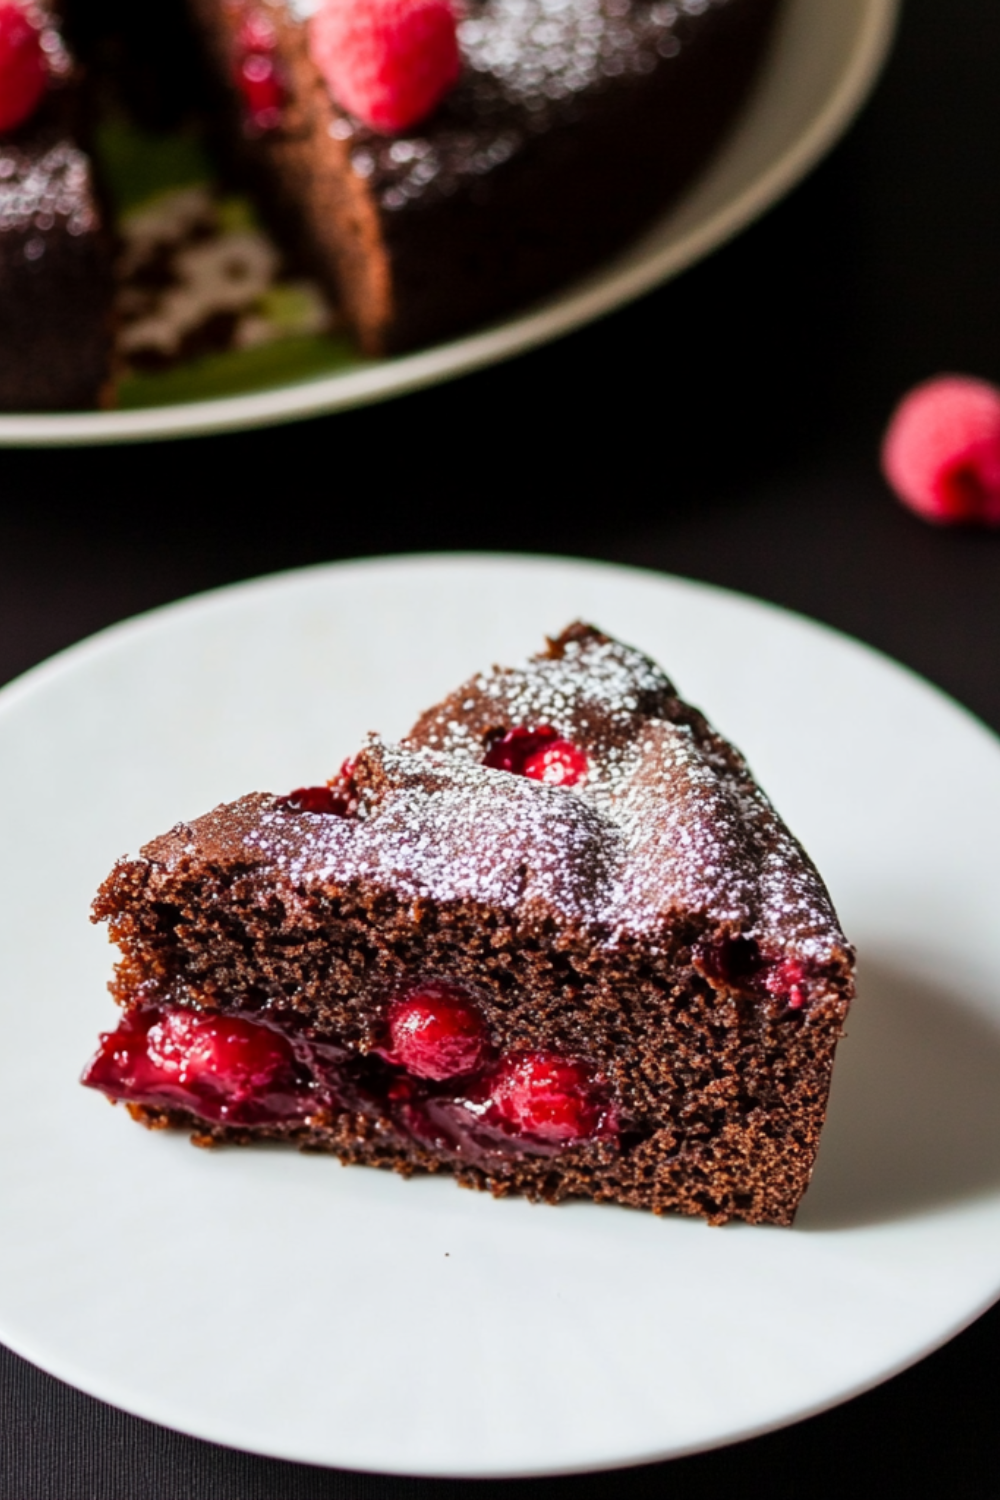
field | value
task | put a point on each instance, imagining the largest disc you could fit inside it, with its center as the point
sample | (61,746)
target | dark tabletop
(726,428)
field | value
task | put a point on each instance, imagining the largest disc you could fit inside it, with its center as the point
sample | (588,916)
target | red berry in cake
(539,754)
(317,799)
(435,1031)
(389,62)
(23,74)
(560,763)
(551,1098)
(786,981)
(256,72)
(217,1054)
(344,789)
(510,751)
(262,90)
(218,1067)
(941,452)
(339,796)
(314,799)
(257,33)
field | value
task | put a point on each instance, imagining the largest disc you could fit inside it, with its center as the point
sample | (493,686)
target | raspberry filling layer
(438,1079)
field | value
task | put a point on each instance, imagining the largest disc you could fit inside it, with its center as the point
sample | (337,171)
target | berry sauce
(438,1081)
(540,754)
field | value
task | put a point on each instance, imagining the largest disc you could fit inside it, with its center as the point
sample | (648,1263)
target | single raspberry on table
(941,452)
(23,74)
(389,62)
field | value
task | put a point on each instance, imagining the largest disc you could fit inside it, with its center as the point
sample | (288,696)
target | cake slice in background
(570,126)
(556,942)
(56,252)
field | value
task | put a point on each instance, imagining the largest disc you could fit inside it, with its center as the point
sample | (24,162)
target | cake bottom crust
(648,1177)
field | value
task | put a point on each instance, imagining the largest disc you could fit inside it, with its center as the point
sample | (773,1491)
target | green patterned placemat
(170,209)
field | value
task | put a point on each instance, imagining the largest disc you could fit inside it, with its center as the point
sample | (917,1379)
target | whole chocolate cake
(570,125)
(556,942)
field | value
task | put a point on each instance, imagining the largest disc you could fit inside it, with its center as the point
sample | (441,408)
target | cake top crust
(528,66)
(667,828)
(44,181)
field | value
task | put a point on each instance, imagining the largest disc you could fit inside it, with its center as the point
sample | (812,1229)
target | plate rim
(601,293)
(44,674)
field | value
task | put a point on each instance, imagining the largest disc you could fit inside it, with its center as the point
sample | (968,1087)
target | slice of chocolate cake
(571,124)
(56,262)
(557,942)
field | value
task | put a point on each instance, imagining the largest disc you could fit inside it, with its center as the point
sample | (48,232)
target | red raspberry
(339,796)
(262,90)
(314,799)
(539,754)
(257,33)
(257,76)
(389,62)
(559,763)
(549,1097)
(436,1032)
(216,1054)
(786,980)
(941,453)
(219,1067)
(23,74)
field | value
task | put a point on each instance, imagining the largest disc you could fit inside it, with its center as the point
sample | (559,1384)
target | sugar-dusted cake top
(530,65)
(632,820)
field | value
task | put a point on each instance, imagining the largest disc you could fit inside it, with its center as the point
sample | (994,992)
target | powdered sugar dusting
(668,824)
(37,188)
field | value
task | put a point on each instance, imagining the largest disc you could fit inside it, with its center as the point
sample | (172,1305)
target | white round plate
(825,59)
(285,1304)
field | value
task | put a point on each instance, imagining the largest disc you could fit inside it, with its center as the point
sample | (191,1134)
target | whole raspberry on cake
(557,942)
